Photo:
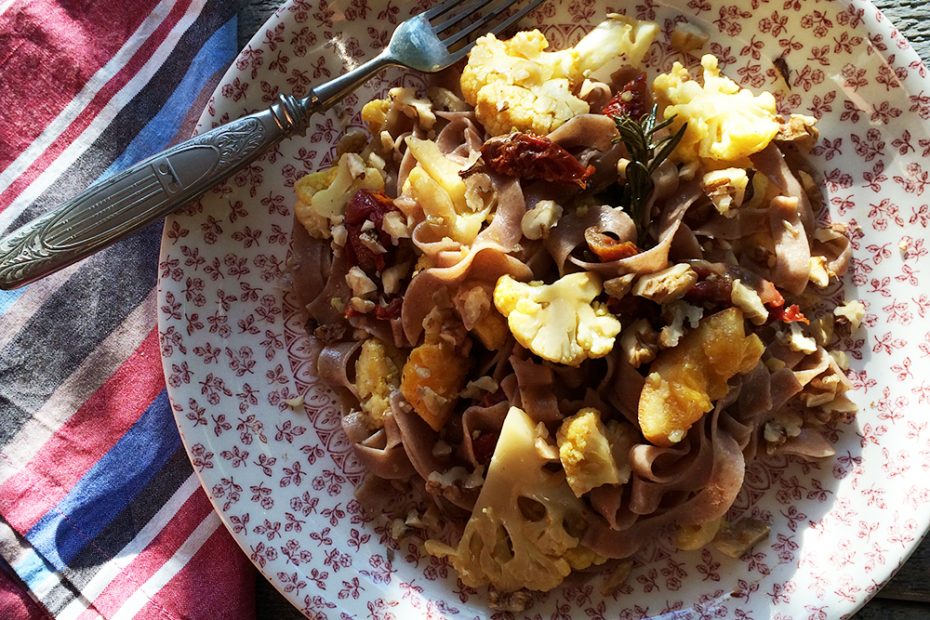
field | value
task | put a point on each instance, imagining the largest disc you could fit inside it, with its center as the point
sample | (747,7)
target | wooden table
(907,595)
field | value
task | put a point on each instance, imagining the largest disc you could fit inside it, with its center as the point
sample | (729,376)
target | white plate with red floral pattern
(282,480)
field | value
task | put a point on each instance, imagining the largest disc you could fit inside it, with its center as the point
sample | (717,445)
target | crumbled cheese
(748,300)
(853,311)
(798,341)
(537,221)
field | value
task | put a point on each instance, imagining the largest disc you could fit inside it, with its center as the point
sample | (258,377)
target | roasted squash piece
(432,379)
(684,381)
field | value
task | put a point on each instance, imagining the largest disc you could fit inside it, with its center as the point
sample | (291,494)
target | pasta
(571,304)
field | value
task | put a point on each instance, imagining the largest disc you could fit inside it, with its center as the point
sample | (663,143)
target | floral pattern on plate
(236,355)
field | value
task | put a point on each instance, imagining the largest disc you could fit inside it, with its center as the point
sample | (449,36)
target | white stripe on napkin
(115,567)
(103,119)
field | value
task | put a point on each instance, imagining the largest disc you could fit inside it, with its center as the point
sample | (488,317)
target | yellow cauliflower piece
(435,184)
(322,195)
(376,376)
(559,322)
(591,453)
(524,529)
(725,122)
(516,85)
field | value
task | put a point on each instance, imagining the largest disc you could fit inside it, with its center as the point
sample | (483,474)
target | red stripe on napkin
(147,563)
(100,100)
(201,597)
(69,46)
(75,447)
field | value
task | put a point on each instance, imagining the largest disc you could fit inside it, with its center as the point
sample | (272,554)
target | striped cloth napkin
(100,512)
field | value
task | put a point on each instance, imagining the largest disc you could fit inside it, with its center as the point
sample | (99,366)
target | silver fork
(118,205)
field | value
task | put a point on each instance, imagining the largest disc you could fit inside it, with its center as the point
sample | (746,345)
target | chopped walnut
(537,222)
(748,300)
(694,536)
(735,539)
(686,37)
(799,129)
(778,430)
(852,312)
(819,274)
(620,286)
(512,602)
(359,282)
(638,343)
(726,189)
(667,285)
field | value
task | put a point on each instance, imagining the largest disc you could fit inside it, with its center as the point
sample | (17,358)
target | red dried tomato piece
(367,206)
(526,156)
(714,289)
(483,447)
(606,247)
(390,311)
(791,314)
(633,99)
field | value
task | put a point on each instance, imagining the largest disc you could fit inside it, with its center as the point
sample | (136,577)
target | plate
(235,353)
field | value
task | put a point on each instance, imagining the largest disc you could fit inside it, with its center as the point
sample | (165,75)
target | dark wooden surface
(907,595)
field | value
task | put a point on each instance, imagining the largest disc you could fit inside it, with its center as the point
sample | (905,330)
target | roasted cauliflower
(516,85)
(376,376)
(525,527)
(322,196)
(726,123)
(592,452)
(439,190)
(559,322)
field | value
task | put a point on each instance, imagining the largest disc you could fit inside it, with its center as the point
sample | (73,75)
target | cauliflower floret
(638,343)
(322,196)
(799,129)
(676,313)
(522,530)
(559,322)
(588,450)
(726,189)
(382,114)
(725,122)
(376,376)
(435,184)
(515,85)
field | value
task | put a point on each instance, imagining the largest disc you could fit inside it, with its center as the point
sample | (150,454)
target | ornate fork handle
(160,184)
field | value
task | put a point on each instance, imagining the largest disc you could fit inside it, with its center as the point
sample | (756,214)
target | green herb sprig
(645,157)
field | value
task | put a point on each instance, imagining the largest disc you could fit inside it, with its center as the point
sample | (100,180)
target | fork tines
(458,24)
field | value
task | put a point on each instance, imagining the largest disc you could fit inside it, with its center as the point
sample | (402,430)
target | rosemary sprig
(645,158)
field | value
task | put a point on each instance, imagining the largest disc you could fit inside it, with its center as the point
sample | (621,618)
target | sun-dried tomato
(633,99)
(389,311)
(526,156)
(791,314)
(367,206)
(713,289)
(483,447)
(606,247)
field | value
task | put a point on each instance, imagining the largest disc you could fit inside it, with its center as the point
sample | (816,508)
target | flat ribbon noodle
(586,130)
(321,308)
(381,452)
(656,257)
(310,262)
(569,233)
(483,419)
(487,260)
(770,162)
(792,249)
(336,365)
(534,381)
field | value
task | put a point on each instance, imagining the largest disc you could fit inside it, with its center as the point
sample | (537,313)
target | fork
(118,205)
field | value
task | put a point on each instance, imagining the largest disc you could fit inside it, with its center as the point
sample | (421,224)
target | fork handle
(118,205)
